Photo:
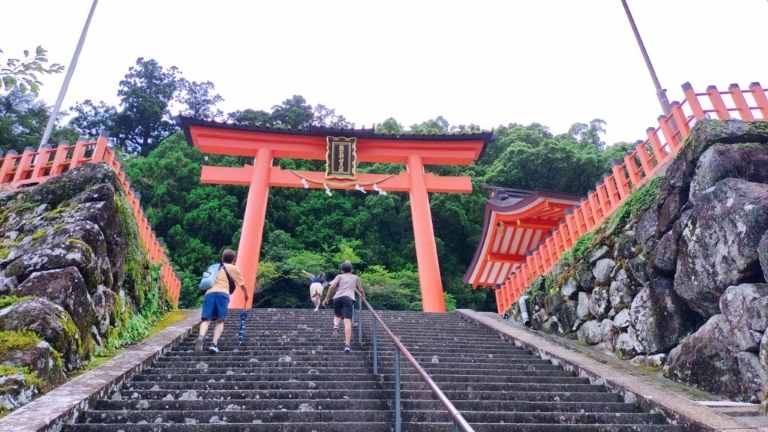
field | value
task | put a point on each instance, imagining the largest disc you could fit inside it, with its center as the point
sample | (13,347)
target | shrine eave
(515,223)
(223,138)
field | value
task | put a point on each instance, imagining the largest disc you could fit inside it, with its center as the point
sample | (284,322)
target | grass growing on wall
(142,284)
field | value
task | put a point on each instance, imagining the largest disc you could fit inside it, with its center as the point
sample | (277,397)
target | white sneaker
(213,348)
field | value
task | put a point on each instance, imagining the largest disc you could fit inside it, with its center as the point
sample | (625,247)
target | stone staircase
(292,375)
(495,385)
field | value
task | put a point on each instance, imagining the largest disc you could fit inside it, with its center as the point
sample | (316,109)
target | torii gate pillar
(249,248)
(432,298)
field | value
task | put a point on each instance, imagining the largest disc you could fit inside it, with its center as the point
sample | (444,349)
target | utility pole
(660,92)
(67,78)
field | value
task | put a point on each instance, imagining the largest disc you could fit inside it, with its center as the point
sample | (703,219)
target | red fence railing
(662,144)
(32,167)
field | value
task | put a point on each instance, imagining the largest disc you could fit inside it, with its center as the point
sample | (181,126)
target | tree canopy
(307,230)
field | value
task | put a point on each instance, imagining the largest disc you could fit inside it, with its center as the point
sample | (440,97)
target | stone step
(247,368)
(264,394)
(253,385)
(510,387)
(234,427)
(523,395)
(540,427)
(226,346)
(522,406)
(263,377)
(243,404)
(537,417)
(208,416)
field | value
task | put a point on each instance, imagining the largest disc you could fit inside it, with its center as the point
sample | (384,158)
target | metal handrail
(458,420)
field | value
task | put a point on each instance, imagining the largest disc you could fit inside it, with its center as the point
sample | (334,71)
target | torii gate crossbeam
(266,144)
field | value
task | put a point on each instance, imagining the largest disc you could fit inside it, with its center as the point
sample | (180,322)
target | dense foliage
(307,230)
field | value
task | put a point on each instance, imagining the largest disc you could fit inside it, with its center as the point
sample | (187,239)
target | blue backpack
(209,276)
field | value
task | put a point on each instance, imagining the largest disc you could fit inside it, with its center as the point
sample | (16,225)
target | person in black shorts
(345,286)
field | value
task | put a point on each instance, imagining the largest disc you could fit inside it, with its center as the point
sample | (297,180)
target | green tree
(22,122)
(93,119)
(145,94)
(24,74)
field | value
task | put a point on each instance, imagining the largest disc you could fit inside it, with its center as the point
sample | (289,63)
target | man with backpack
(219,282)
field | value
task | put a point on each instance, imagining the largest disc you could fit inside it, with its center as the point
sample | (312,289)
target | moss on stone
(640,201)
(58,211)
(38,234)
(17,340)
(9,300)
(30,378)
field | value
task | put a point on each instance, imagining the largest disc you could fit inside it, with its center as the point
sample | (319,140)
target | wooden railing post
(645,160)
(632,170)
(717,103)
(681,122)
(78,154)
(59,160)
(24,164)
(760,98)
(101,149)
(9,161)
(741,104)
(621,181)
(693,101)
(658,152)
(669,135)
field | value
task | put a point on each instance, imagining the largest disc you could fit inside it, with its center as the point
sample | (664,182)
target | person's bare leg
(347,331)
(217,332)
(201,336)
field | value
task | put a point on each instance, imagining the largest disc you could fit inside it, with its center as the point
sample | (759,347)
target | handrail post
(375,341)
(398,417)
(360,323)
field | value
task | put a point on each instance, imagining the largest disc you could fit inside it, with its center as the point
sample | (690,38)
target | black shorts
(343,306)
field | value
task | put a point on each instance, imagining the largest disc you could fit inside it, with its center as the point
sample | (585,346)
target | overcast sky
(555,62)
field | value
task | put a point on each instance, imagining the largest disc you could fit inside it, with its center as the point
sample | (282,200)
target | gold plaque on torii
(341,158)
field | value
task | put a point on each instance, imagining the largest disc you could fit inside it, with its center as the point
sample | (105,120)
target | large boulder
(745,307)
(718,246)
(621,292)
(746,161)
(52,323)
(591,332)
(38,356)
(762,252)
(625,345)
(598,302)
(66,288)
(582,306)
(603,270)
(660,319)
(566,315)
(708,359)
(666,250)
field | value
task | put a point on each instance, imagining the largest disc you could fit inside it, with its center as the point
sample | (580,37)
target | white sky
(485,62)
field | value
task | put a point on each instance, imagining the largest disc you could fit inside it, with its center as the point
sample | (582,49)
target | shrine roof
(187,122)
(516,221)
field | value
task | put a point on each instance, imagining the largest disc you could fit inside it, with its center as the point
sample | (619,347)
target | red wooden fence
(662,144)
(32,167)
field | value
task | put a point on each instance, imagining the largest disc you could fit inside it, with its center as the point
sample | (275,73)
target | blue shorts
(215,306)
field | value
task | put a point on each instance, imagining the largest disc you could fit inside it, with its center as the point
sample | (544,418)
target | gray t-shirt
(345,285)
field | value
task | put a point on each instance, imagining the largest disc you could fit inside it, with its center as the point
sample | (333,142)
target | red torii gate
(266,144)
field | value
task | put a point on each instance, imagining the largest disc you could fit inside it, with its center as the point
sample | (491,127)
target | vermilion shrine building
(516,222)
(342,149)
